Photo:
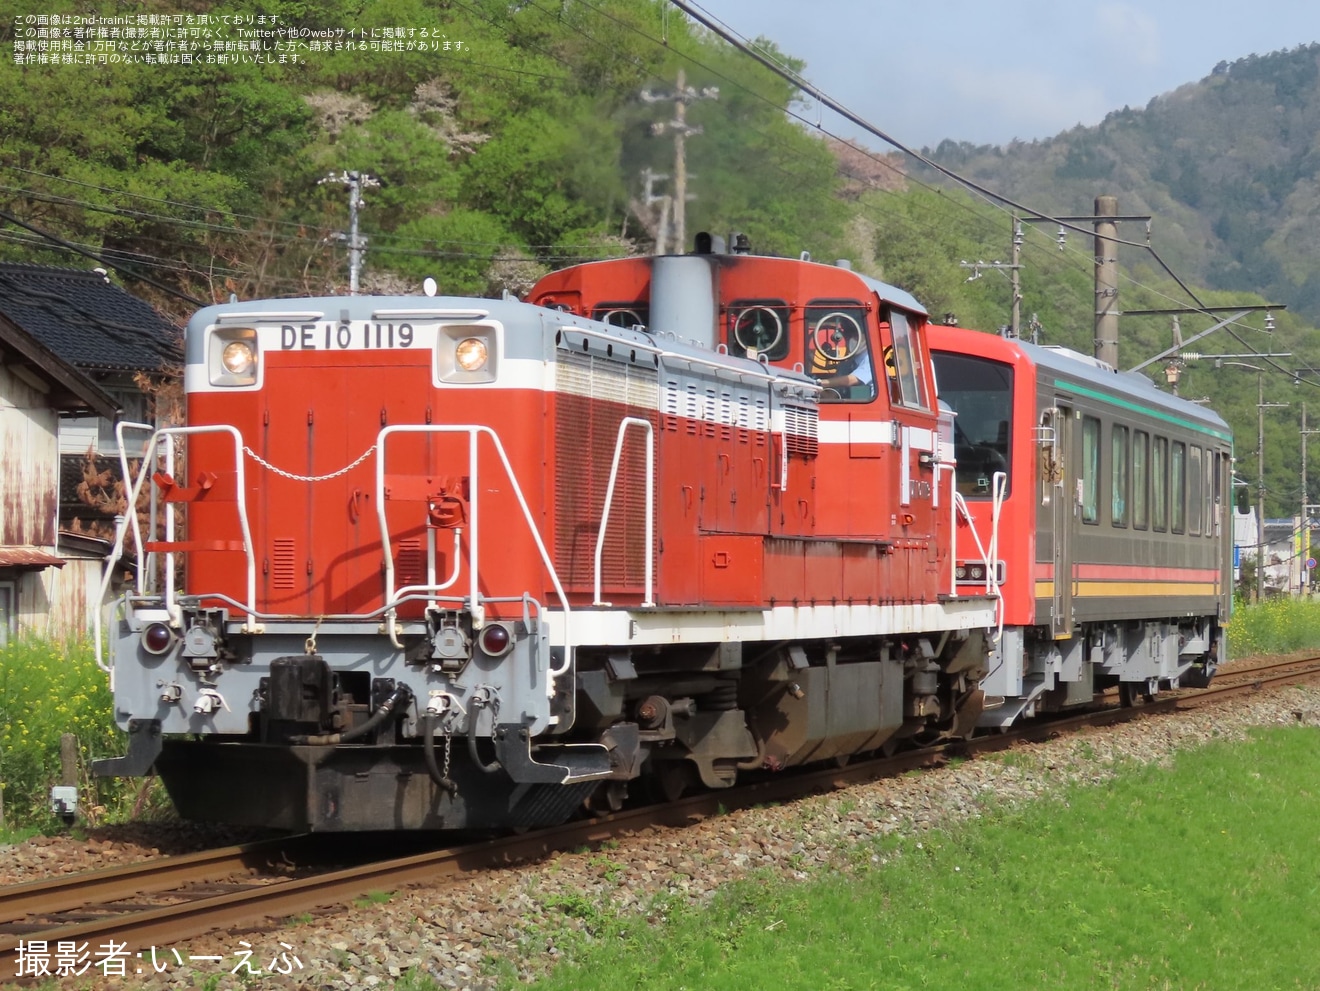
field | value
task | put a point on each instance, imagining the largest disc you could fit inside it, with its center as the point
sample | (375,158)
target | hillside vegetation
(521,148)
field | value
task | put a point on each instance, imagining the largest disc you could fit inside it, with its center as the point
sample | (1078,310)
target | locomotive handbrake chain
(308,478)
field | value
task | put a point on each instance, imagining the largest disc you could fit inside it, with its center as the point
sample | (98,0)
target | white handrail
(475,601)
(135,491)
(624,424)
(991,579)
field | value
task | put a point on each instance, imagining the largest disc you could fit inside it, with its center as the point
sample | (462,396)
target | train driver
(838,357)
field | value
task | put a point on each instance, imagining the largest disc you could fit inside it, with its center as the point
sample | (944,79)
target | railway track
(168,900)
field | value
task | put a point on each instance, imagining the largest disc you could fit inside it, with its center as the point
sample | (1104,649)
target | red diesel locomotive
(468,563)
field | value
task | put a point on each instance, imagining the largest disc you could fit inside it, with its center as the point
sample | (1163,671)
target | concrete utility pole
(357,244)
(683,95)
(1106,280)
(1106,269)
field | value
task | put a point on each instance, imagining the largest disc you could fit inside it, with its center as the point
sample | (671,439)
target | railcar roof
(1080,371)
(1132,386)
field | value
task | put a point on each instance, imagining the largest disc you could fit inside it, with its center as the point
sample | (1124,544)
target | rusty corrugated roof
(28,557)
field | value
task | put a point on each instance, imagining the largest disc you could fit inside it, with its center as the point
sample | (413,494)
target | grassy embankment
(1200,875)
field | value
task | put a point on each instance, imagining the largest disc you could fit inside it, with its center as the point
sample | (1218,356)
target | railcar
(1101,505)
(450,563)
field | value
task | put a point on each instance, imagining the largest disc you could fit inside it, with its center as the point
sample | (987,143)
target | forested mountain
(517,143)
(1229,166)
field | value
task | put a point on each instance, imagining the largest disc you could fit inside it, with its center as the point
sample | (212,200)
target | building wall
(46,602)
(29,464)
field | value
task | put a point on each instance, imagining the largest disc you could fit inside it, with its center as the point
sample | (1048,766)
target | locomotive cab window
(757,328)
(627,315)
(838,351)
(980,391)
(903,360)
(1090,480)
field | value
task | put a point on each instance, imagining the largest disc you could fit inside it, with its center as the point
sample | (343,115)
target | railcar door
(1058,479)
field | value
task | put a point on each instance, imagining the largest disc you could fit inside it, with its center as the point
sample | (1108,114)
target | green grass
(1275,626)
(1203,875)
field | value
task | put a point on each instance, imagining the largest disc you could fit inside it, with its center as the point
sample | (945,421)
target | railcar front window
(980,391)
(1140,479)
(1090,469)
(1119,473)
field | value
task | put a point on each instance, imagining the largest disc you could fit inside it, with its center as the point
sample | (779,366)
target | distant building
(107,334)
(39,592)
(71,347)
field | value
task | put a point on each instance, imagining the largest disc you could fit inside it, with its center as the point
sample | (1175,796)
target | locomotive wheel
(669,780)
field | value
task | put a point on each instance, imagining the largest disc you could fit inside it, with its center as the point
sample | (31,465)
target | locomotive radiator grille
(593,395)
(802,425)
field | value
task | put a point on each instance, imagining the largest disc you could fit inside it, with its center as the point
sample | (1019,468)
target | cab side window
(904,362)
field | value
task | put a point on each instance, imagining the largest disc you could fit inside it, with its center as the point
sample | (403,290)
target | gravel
(506,920)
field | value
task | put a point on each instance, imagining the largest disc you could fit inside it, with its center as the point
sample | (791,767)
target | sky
(990,71)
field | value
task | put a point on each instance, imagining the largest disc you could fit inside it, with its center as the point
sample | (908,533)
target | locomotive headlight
(471,354)
(467,353)
(232,356)
(238,358)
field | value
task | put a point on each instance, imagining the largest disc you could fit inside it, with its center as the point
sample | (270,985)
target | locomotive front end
(351,609)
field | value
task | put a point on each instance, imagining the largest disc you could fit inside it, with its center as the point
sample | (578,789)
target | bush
(1276,626)
(48,689)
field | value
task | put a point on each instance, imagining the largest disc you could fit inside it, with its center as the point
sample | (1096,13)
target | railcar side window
(1090,469)
(1211,498)
(981,393)
(1140,479)
(1159,467)
(838,352)
(1118,473)
(1194,491)
(1178,488)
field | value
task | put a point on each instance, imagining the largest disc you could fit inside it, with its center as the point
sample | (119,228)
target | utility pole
(357,245)
(683,95)
(1106,280)
(650,198)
